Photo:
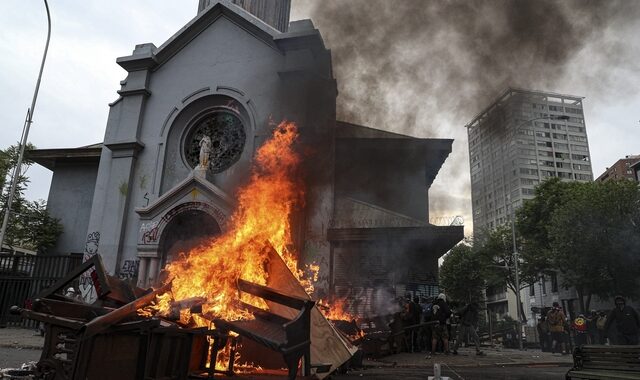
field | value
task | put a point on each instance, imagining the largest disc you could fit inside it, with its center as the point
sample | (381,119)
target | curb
(474,365)
(21,346)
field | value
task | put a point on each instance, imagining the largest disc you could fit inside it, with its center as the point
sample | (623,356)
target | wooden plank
(105,321)
(327,345)
(271,294)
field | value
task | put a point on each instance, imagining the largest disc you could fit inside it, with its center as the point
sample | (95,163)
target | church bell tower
(273,12)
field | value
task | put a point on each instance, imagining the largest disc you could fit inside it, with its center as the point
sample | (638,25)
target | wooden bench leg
(293,361)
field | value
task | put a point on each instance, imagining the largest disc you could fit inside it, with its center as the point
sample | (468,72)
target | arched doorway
(184,232)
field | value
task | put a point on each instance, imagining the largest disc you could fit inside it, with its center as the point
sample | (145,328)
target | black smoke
(426,67)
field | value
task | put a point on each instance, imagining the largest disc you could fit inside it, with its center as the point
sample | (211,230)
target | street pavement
(18,346)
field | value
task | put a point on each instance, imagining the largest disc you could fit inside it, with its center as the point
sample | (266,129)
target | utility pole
(25,135)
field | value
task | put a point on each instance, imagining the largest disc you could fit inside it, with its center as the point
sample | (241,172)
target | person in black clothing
(440,312)
(467,325)
(627,322)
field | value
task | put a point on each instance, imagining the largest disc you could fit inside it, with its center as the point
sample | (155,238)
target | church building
(138,198)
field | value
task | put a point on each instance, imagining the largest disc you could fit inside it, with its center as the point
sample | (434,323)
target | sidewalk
(494,357)
(20,338)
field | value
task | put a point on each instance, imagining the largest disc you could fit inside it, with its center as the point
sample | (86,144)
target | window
(526,132)
(545,144)
(582,167)
(580,157)
(547,173)
(554,108)
(558,145)
(543,282)
(527,152)
(571,128)
(547,163)
(559,136)
(543,134)
(576,111)
(564,175)
(526,191)
(583,177)
(529,181)
(528,171)
(577,138)
(579,148)
(532,290)
(554,282)
(545,153)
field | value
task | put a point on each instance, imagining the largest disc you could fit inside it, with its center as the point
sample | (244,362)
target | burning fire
(263,212)
(336,311)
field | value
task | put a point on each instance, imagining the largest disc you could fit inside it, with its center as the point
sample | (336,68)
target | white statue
(205,150)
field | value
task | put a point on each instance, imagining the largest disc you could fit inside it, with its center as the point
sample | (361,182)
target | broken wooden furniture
(605,362)
(290,337)
(107,339)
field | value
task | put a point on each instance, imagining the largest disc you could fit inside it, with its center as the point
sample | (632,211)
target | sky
(81,76)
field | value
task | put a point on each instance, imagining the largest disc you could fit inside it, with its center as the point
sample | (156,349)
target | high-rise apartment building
(519,140)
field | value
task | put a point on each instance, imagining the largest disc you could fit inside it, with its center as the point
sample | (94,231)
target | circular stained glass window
(227,136)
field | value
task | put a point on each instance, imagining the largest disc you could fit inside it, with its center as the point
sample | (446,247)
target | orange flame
(263,211)
(336,310)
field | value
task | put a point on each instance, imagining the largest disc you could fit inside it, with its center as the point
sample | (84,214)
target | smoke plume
(426,67)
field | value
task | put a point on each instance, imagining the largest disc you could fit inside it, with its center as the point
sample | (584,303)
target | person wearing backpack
(556,320)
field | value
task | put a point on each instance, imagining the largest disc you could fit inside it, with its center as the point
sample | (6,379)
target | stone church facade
(137,198)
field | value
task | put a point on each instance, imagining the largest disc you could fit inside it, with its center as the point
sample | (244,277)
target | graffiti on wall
(87,290)
(129,270)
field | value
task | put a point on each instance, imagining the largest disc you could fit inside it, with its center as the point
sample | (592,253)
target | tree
(496,254)
(588,231)
(30,225)
(594,241)
(461,274)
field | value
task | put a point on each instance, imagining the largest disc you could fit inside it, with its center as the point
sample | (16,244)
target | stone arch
(160,235)
(185,231)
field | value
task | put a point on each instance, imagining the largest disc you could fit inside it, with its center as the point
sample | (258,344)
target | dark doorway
(186,231)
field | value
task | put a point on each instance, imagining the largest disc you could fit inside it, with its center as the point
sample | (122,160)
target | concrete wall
(70,199)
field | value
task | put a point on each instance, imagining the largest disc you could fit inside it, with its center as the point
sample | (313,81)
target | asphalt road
(459,373)
(14,357)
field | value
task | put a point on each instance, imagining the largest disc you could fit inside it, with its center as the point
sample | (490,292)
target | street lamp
(513,228)
(25,135)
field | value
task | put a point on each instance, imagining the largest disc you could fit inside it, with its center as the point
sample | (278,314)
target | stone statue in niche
(205,150)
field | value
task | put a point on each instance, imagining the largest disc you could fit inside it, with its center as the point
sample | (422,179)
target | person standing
(556,319)
(627,322)
(467,325)
(579,326)
(440,313)
(543,334)
(592,328)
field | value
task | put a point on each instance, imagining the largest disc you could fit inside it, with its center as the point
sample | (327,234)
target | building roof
(509,92)
(49,158)
(148,56)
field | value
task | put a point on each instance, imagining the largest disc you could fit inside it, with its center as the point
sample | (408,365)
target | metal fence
(22,277)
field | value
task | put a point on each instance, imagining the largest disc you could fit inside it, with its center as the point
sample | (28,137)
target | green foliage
(589,232)
(461,275)
(30,225)
(496,252)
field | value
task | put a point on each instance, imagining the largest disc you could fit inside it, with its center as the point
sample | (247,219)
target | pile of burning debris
(115,337)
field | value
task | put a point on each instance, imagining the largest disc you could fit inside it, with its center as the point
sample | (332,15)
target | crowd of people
(433,326)
(429,325)
(619,326)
